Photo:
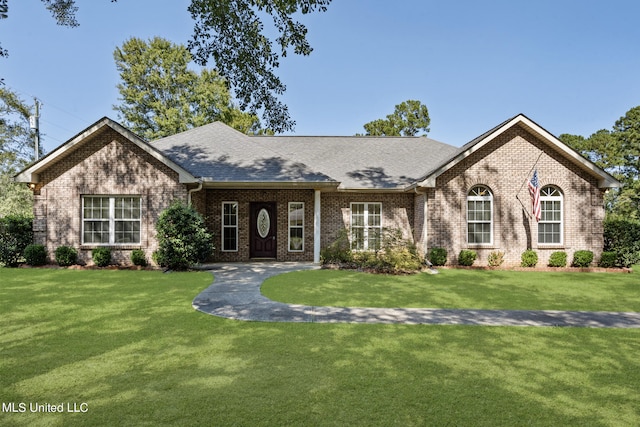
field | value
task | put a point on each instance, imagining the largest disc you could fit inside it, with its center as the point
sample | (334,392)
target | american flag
(534,190)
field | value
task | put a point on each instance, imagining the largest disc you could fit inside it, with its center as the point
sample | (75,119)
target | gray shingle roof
(218,153)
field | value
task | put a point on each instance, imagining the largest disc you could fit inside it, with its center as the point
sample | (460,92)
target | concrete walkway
(235,294)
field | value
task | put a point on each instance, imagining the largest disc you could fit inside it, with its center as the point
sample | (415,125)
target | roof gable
(31,173)
(604,179)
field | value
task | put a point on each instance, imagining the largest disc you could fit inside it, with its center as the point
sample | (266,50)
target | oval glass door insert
(264,223)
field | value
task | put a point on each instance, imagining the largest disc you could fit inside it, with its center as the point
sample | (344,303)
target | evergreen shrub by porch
(529,258)
(558,259)
(582,258)
(138,258)
(66,256)
(496,258)
(438,256)
(35,255)
(396,254)
(183,239)
(622,236)
(339,251)
(15,234)
(608,259)
(467,257)
(101,256)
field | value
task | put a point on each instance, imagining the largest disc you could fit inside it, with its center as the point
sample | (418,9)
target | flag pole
(526,180)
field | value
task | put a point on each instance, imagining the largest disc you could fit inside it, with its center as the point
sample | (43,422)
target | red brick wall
(397,212)
(105,164)
(211,200)
(505,166)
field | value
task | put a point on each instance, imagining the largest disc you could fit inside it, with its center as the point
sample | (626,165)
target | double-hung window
(296,227)
(229,226)
(550,224)
(111,220)
(366,226)
(480,216)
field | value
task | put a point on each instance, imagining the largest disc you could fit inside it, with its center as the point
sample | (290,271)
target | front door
(263,221)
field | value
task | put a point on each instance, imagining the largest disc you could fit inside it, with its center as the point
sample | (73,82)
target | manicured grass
(514,290)
(130,346)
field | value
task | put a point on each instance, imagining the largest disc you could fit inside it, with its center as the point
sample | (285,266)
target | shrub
(608,259)
(496,258)
(339,251)
(35,255)
(138,257)
(66,256)
(558,259)
(183,240)
(15,234)
(622,236)
(438,256)
(529,258)
(582,258)
(101,256)
(467,257)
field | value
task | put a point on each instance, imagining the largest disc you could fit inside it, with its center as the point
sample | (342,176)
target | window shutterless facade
(296,227)
(366,226)
(229,226)
(111,220)
(480,216)
(551,219)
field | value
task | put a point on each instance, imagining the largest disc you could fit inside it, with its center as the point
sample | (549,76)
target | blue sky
(573,66)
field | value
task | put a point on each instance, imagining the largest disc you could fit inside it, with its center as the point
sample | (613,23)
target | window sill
(121,247)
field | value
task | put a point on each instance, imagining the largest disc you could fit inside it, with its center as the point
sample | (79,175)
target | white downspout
(193,190)
(317,206)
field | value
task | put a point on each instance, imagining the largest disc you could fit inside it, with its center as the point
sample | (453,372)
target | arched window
(480,216)
(550,224)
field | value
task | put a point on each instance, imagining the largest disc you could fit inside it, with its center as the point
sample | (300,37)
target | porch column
(316,226)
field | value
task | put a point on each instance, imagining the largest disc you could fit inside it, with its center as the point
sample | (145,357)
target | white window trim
(296,226)
(561,222)
(223,226)
(112,219)
(480,199)
(366,225)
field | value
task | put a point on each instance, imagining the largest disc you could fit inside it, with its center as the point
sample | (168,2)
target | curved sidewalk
(235,294)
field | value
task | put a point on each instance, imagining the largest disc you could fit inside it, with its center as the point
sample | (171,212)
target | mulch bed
(554,269)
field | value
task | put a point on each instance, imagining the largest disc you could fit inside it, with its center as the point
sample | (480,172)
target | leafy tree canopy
(409,118)
(231,33)
(618,152)
(16,151)
(161,96)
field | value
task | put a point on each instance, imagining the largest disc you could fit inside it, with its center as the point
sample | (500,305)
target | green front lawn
(130,346)
(514,290)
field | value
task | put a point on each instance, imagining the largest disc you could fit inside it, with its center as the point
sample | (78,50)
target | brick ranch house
(286,197)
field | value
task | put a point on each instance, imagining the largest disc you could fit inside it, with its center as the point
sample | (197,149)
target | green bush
(582,258)
(15,235)
(35,255)
(183,239)
(66,256)
(101,256)
(138,257)
(622,236)
(438,256)
(529,258)
(608,259)
(339,251)
(496,258)
(467,257)
(558,259)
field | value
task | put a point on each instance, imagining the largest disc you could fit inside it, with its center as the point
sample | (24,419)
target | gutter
(193,190)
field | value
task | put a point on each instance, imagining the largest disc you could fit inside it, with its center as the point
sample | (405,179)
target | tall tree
(161,96)
(16,151)
(409,118)
(618,152)
(231,33)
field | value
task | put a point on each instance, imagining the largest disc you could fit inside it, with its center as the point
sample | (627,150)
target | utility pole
(34,124)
